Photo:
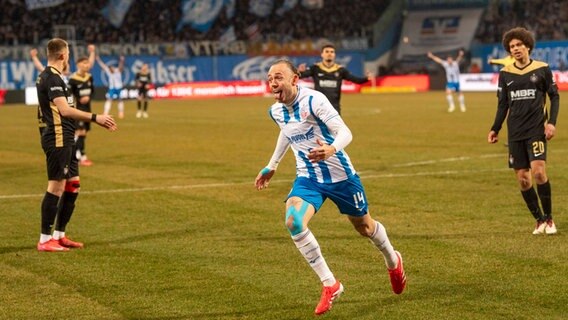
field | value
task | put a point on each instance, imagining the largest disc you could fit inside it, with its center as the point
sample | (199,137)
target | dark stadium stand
(156,21)
(547,19)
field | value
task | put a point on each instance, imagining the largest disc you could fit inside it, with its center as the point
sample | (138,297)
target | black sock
(139,105)
(544,194)
(81,144)
(65,210)
(531,199)
(145,106)
(48,212)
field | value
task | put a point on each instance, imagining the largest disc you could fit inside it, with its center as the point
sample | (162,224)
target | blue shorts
(349,195)
(454,86)
(113,94)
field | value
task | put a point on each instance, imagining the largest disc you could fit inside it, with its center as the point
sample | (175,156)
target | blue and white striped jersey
(452,71)
(302,124)
(114,79)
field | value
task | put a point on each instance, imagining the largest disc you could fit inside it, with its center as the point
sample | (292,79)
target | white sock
(43,238)
(381,241)
(121,106)
(310,249)
(450,99)
(107,106)
(58,234)
(462,101)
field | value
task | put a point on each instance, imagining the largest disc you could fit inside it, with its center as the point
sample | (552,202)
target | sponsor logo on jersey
(523,94)
(56,88)
(303,137)
(328,83)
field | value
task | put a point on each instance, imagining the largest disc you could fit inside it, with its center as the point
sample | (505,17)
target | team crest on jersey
(534,78)
(304,114)
(336,74)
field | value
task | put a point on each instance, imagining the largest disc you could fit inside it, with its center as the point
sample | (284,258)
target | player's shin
(531,199)
(66,207)
(48,214)
(544,193)
(380,239)
(310,250)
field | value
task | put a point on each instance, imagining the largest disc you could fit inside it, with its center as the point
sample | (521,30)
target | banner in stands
(555,53)
(445,4)
(437,31)
(40,4)
(490,81)
(19,74)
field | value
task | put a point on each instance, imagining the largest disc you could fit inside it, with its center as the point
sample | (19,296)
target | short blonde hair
(55,48)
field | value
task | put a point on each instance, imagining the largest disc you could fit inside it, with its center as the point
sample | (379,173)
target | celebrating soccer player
(318,136)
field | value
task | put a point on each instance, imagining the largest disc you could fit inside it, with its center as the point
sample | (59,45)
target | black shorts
(83,125)
(61,163)
(143,93)
(523,152)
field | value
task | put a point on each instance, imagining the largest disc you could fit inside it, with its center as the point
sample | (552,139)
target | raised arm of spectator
(39,66)
(91,50)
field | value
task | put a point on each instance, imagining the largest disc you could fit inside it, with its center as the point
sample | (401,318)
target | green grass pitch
(174,228)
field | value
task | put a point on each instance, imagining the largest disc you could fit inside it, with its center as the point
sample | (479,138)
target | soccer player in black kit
(56,117)
(523,86)
(328,76)
(143,81)
(82,87)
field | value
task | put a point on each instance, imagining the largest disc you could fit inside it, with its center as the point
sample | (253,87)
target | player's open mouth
(277,95)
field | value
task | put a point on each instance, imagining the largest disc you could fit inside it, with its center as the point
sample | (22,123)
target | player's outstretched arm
(65,110)
(460,56)
(91,51)
(434,57)
(38,65)
(121,63)
(263,178)
(102,64)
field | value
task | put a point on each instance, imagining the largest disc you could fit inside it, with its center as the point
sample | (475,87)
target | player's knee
(540,176)
(295,218)
(72,186)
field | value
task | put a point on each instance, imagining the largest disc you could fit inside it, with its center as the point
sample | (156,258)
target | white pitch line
(231,184)
(420,163)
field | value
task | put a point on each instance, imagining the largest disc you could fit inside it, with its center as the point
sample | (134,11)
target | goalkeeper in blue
(317,135)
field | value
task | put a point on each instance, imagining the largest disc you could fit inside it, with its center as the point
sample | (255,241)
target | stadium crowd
(547,19)
(157,21)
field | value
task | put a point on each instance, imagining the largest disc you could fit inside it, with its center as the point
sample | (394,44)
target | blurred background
(201,48)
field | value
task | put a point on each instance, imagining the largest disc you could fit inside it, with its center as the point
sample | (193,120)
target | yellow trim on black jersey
(333,68)
(54,70)
(76,76)
(511,68)
(57,125)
